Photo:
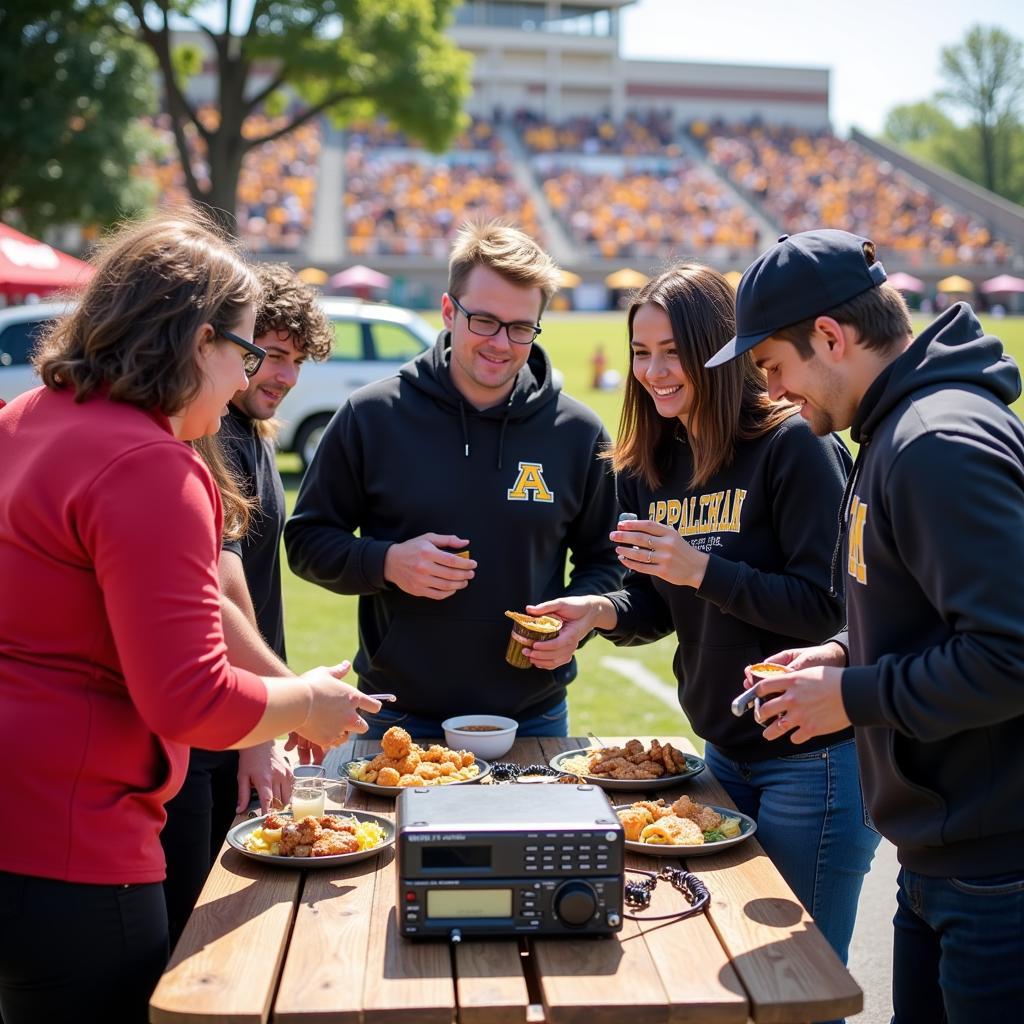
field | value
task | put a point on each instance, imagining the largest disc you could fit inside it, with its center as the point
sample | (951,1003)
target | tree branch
(303,118)
(275,83)
(158,41)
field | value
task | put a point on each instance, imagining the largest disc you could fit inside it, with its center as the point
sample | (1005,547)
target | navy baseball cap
(799,277)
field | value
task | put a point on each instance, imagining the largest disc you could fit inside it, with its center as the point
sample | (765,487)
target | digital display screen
(465,903)
(456,856)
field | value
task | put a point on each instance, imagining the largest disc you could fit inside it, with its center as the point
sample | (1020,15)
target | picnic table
(271,944)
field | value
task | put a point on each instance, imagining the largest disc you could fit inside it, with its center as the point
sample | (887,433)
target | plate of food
(403,763)
(338,837)
(631,767)
(683,828)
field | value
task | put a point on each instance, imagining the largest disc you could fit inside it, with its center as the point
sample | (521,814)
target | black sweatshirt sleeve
(807,475)
(595,566)
(320,536)
(959,529)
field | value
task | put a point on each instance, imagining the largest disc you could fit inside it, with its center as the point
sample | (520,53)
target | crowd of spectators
(650,134)
(803,180)
(276,186)
(677,210)
(401,200)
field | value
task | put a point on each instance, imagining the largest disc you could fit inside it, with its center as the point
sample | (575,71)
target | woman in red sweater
(112,654)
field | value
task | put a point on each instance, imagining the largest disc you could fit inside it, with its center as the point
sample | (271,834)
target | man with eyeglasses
(290,328)
(454,491)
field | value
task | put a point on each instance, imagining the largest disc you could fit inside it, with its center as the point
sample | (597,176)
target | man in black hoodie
(470,446)
(931,672)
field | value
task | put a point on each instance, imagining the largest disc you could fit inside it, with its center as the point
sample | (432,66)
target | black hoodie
(768,523)
(408,455)
(935,556)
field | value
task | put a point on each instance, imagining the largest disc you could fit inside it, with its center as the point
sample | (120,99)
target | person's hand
(423,568)
(334,707)
(802,704)
(306,752)
(655,549)
(579,616)
(827,655)
(264,769)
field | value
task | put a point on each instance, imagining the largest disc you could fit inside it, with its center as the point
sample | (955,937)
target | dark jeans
(72,953)
(554,722)
(958,953)
(198,818)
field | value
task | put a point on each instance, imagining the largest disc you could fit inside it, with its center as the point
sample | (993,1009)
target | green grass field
(321,627)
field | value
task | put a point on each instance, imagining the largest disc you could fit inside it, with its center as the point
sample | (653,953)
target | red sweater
(112,654)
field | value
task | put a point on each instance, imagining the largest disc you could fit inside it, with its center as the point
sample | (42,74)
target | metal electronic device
(508,860)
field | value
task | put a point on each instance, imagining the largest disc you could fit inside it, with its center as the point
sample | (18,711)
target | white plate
(747,828)
(372,787)
(236,839)
(695,764)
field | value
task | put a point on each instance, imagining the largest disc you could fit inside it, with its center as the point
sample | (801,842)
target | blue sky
(880,54)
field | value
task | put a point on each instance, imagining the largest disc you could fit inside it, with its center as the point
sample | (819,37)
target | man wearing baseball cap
(931,670)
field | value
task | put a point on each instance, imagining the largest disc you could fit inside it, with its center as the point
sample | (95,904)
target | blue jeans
(554,722)
(958,953)
(811,823)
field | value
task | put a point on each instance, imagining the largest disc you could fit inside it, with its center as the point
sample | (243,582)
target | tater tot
(388,777)
(396,742)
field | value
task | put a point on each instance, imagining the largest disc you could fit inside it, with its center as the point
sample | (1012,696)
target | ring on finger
(650,556)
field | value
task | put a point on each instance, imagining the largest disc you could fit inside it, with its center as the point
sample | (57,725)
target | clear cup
(309,771)
(307,798)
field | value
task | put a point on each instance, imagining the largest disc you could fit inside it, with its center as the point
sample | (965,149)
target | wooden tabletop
(272,944)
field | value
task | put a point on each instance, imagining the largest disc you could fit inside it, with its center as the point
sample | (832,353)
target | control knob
(575,903)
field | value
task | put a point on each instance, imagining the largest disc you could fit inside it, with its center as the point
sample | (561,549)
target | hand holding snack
(579,615)
(424,567)
(526,630)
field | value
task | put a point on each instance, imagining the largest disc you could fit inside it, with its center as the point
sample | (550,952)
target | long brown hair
(133,331)
(238,508)
(730,403)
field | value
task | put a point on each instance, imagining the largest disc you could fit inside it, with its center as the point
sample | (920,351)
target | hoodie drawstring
(844,512)
(465,428)
(501,437)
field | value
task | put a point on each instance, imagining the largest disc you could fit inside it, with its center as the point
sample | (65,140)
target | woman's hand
(307,753)
(655,549)
(802,704)
(579,616)
(264,769)
(334,706)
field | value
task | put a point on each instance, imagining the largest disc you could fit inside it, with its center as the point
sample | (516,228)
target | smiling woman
(119,550)
(731,553)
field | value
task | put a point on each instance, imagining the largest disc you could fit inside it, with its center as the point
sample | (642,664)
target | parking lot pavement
(871,948)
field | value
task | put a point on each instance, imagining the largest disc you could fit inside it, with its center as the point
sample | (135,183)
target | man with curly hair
(291,327)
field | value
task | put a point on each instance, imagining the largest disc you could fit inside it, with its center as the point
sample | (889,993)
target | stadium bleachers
(804,180)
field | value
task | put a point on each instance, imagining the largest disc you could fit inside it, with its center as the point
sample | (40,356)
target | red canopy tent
(31,267)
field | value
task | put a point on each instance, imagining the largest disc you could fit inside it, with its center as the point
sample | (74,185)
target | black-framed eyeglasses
(254,355)
(487,326)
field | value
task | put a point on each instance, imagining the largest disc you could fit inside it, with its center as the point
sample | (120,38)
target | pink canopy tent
(1003,284)
(906,282)
(359,279)
(31,267)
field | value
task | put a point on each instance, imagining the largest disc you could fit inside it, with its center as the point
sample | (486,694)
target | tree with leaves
(984,84)
(985,77)
(71,89)
(342,58)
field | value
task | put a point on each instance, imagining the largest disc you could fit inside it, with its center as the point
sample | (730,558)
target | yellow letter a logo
(857,565)
(531,478)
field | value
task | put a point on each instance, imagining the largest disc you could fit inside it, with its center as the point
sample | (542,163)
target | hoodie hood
(951,350)
(534,385)
(533,389)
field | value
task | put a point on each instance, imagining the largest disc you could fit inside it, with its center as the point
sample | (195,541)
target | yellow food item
(730,827)
(672,831)
(634,819)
